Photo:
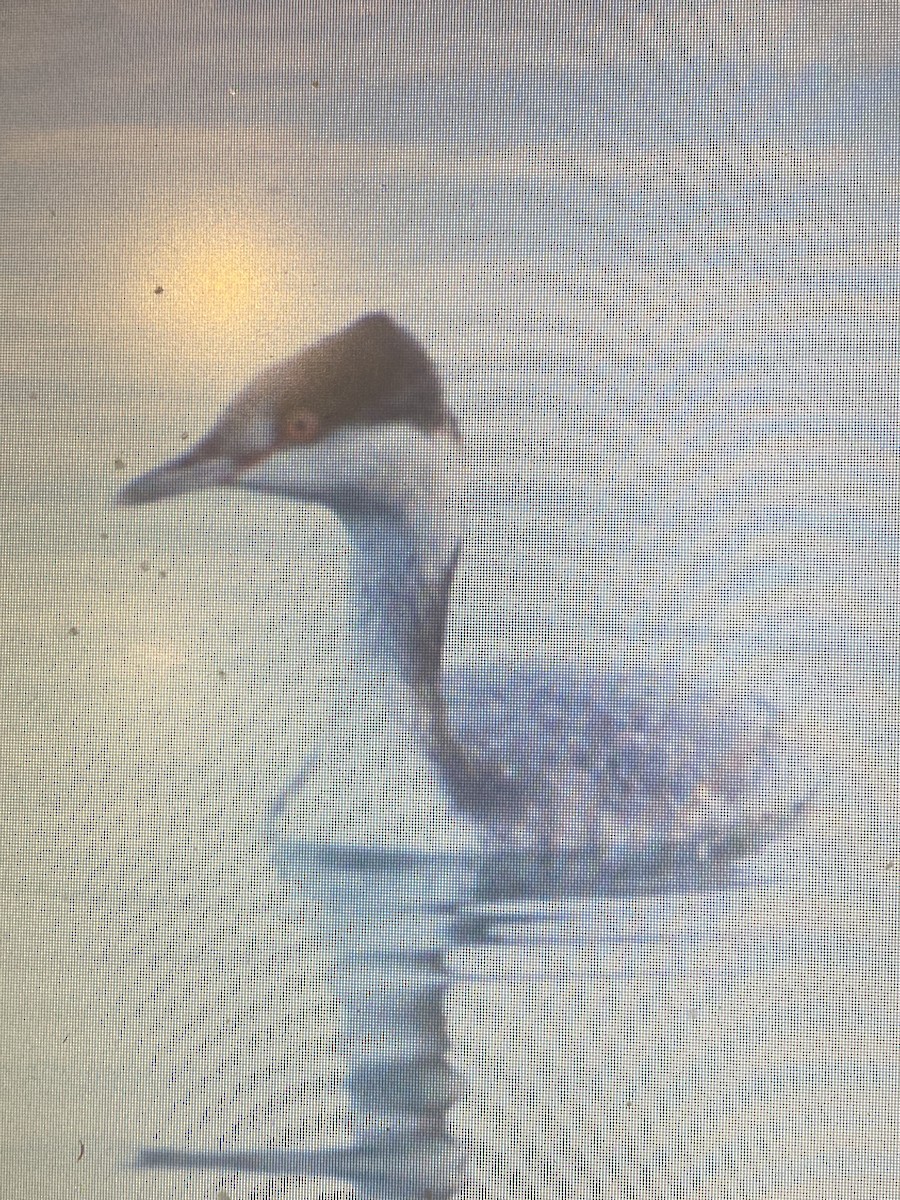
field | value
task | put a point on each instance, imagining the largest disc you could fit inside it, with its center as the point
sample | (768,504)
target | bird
(623,766)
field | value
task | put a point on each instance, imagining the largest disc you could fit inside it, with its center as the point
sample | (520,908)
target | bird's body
(593,759)
(534,755)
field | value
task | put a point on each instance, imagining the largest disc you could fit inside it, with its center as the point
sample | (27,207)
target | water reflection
(403,927)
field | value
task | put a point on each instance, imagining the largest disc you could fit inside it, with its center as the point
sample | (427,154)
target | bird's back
(629,767)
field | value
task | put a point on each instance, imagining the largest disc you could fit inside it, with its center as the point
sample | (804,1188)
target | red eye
(301,427)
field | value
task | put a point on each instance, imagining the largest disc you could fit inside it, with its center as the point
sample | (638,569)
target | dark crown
(371,371)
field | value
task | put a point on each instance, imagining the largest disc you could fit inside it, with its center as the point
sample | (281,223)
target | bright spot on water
(152,660)
(214,295)
(212,278)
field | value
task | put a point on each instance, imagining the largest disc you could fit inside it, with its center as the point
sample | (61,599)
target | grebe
(535,756)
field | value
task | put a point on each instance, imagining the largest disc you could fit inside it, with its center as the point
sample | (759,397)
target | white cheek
(405,465)
(392,465)
(308,472)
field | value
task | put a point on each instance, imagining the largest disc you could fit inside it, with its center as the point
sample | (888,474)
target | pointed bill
(189,473)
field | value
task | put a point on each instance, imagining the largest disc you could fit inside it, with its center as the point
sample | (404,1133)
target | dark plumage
(369,372)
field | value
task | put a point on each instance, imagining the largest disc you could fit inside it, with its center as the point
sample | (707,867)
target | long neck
(401,570)
(377,773)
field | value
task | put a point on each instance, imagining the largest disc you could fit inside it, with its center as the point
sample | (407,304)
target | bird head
(356,420)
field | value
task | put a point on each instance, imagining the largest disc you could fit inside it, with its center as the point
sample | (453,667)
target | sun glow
(210,279)
(217,296)
(151,660)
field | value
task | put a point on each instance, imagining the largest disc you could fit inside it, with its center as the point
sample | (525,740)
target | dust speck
(158,290)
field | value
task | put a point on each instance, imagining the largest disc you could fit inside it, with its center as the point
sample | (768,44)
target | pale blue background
(654,250)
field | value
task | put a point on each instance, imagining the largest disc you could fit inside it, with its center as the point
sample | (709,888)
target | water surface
(665,304)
